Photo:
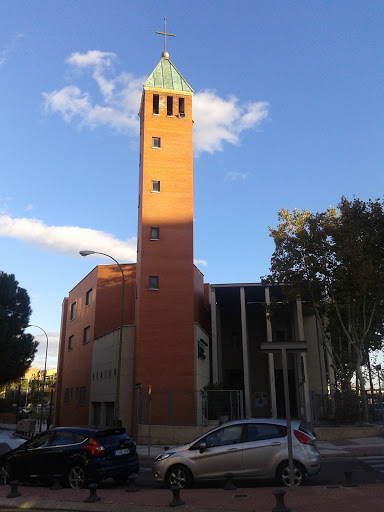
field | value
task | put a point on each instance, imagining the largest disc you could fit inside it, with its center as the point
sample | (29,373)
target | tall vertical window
(66,396)
(156,104)
(154,234)
(169,106)
(155,186)
(86,334)
(73,311)
(153,282)
(181,107)
(82,395)
(88,297)
(70,343)
(156,142)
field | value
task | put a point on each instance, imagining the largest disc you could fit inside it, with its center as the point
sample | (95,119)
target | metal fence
(189,408)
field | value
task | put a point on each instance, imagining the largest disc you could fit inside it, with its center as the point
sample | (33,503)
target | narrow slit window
(169,106)
(88,297)
(153,282)
(156,104)
(181,108)
(154,234)
(156,142)
(86,334)
(155,186)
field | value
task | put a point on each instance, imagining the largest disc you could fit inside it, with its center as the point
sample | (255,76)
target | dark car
(79,455)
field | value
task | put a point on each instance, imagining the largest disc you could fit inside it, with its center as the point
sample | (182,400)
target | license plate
(124,451)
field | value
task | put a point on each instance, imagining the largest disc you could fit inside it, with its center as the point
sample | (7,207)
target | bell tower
(164,349)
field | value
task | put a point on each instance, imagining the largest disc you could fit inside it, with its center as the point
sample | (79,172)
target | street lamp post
(45,371)
(378,368)
(117,421)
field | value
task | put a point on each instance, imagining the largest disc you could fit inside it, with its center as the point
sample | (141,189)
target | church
(150,342)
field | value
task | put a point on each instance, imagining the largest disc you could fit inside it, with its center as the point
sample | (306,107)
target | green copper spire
(166,76)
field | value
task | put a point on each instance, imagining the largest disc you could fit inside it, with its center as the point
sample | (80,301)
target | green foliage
(335,259)
(17,348)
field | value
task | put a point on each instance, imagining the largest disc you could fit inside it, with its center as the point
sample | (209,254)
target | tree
(336,260)
(17,349)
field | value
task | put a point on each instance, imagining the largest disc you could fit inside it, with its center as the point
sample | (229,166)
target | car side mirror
(202,447)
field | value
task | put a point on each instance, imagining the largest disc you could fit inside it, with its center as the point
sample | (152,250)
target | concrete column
(244,337)
(300,329)
(215,355)
(271,362)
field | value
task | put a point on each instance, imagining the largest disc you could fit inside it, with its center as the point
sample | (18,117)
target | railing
(198,408)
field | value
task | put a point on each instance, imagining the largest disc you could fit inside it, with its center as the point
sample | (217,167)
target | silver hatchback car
(253,448)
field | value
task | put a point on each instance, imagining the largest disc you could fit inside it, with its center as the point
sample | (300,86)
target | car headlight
(163,456)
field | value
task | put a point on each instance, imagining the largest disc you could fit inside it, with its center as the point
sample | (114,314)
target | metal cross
(165,34)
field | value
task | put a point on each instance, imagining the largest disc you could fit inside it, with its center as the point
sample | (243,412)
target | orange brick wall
(164,355)
(103,316)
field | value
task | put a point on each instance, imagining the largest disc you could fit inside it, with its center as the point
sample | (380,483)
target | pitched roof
(166,76)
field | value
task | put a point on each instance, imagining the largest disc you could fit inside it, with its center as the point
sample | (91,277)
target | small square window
(155,186)
(156,104)
(86,334)
(70,343)
(169,106)
(156,142)
(154,234)
(88,297)
(153,282)
(73,311)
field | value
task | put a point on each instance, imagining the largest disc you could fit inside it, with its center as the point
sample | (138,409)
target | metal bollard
(177,501)
(14,492)
(93,497)
(56,484)
(348,479)
(229,483)
(280,506)
(131,481)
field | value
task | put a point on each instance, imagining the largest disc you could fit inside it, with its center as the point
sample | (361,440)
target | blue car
(79,455)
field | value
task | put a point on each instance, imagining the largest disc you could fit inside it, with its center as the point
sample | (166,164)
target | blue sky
(288,112)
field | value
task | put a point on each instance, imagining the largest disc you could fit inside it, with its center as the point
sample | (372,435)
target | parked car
(80,455)
(252,448)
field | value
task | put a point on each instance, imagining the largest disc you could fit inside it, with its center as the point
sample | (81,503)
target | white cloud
(7,50)
(236,175)
(66,240)
(217,120)
(201,263)
(53,348)
(221,120)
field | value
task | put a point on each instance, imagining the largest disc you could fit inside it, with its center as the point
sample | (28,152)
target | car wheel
(283,474)
(179,475)
(4,473)
(77,477)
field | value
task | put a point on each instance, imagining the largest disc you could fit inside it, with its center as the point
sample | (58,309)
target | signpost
(284,347)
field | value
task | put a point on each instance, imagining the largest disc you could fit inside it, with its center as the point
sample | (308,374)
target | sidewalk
(260,499)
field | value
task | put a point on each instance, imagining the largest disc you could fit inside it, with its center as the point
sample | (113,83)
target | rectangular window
(88,297)
(155,186)
(153,282)
(70,343)
(66,396)
(154,234)
(181,108)
(73,311)
(86,334)
(169,106)
(156,142)
(82,395)
(156,104)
